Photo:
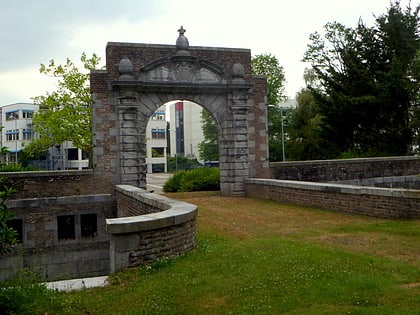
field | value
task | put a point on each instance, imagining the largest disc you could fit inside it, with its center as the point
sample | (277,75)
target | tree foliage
(7,234)
(268,65)
(65,114)
(367,83)
(304,140)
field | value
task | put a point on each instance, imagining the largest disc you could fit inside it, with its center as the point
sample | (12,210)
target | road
(155,181)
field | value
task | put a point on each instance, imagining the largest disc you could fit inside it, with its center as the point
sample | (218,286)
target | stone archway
(141,77)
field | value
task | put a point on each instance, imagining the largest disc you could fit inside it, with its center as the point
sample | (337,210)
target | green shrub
(24,294)
(16,168)
(7,234)
(198,179)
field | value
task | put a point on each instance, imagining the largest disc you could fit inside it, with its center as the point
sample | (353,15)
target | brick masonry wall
(128,206)
(377,202)
(43,252)
(346,169)
(161,243)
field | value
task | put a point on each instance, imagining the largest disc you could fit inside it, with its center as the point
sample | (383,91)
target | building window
(66,227)
(12,115)
(17,225)
(158,134)
(158,152)
(12,135)
(72,154)
(27,114)
(85,155)
(158,168)
(27,134)
(88,225)
(158,116)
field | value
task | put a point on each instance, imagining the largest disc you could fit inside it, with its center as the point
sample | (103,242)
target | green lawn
(261,257)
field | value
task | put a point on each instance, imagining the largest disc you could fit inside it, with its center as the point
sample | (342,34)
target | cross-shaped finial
(181,31)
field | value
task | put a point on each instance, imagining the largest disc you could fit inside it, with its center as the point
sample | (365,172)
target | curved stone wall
(168,229)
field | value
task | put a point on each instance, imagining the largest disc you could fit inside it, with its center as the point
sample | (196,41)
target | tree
(304,130)
(209,148)
(65,114)
(415,109)
(267,65)
(7,234)
(367,84)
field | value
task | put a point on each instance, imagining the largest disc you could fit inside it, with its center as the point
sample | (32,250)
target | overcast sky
(34,31)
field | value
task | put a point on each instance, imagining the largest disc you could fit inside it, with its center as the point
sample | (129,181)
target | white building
(156,140)
(182,119)
(186,127)
(17,130)
(16,122)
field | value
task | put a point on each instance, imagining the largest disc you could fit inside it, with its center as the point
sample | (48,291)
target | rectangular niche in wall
(17,225)
(88,225)
(66,227)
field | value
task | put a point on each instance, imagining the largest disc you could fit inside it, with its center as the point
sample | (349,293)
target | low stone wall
(346,169)
(144,238)
(371,201)
(56,240)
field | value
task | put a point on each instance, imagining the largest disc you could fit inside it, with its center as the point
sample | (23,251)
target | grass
(261,257)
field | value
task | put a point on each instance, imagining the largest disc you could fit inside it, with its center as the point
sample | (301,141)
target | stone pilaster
(131,147)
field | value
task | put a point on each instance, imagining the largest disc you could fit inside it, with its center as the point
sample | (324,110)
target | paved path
(155,181)
(78,284)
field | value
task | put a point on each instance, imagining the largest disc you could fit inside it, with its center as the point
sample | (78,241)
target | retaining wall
(371,201)
(146,237)
(55,251)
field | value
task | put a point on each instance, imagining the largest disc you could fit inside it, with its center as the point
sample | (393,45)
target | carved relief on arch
(186,69)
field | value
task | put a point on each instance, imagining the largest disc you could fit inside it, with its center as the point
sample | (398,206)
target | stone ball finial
(238,73)
(125,69)
(182,43)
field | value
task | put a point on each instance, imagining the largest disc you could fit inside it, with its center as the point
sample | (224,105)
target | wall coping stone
(339,188)
(173,212)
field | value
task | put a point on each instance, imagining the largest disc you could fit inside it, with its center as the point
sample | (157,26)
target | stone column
(234,153)
(131,146)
